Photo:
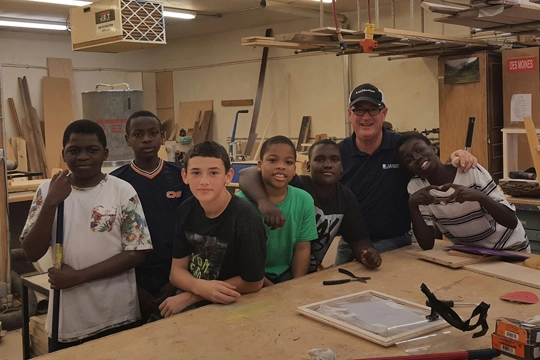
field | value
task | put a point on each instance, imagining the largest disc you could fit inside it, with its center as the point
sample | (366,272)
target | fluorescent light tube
(179,14)
(324,1)
(65,2)
(32,25)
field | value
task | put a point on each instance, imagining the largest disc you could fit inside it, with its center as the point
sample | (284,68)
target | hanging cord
(342,45)
(369,43)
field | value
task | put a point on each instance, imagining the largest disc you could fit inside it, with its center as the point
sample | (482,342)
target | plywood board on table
(63,68)
(57,115)
(442,257)
(511,272)
(189,112)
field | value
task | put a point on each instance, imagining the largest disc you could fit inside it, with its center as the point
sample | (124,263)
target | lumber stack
(391,42)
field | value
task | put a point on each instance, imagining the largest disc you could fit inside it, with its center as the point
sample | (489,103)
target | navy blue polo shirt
(379,185)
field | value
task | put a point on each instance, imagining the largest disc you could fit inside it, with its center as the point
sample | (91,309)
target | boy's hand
(60,188)
(463,160)
(371,258)
(461,193)
(174,304)
(64,278)
(423,196)
(273,217)
(217,291)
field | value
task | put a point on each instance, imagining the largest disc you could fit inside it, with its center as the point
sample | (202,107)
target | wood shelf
(391,42)
(517,18)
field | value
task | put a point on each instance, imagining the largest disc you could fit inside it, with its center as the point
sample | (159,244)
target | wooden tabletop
(266,325)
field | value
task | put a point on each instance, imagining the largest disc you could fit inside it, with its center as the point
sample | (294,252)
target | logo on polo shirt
(390,166)
(173,194)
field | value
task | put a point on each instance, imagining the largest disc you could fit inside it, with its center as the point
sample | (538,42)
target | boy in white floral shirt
(105,237)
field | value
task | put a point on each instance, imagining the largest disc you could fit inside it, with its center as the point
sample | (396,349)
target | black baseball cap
(367,92)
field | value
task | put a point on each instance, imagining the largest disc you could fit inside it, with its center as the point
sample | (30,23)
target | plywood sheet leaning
(441,256)
(165,97)
(63,68)
(303,136)
(32,126)
(200,131)
(18,144)
(510,272)
(57,115)
(189,112)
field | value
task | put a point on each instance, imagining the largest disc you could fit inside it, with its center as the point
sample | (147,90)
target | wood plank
(4,216)
(188,112)
(33,160)
(532,138)
(511,272)
(63,68)
(57,115)
(33,127)
(258,98)
(303,136)
(164,90)
(26,185)
(244,102)
(18,144)
(15,116)
(441,257)
(10,154)
(202,128)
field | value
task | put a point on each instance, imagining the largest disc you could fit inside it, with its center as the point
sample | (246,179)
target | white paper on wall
(520,106)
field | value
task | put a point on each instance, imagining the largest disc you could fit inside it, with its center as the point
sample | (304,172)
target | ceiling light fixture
(65,2)
(324,1)
(32,25)
(179,14)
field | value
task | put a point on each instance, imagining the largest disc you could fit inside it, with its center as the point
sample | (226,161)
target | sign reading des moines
(521,64)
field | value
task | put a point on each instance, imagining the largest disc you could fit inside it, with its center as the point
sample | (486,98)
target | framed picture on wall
(462,71)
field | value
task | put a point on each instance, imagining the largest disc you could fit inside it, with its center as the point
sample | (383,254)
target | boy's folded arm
(211,290)
(301,258)
(245,287)
(251,184)
(425,236)
(501,213)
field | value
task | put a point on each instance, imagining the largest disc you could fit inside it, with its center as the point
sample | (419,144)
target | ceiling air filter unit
(117,25)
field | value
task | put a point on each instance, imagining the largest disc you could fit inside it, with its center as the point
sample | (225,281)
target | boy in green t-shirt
(288,248)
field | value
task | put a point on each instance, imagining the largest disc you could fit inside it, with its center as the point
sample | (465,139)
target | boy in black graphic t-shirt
(337,211)
(220,242)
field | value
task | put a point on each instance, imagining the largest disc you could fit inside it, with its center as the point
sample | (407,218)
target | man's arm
(67,277)
(355,231)
(463,160)
(300,260)
(250,182)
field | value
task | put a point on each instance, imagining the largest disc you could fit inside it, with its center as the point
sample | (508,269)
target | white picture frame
(408,307)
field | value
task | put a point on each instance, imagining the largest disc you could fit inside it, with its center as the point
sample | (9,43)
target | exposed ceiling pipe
(289,9)
(358,11)
(377,14)
(393,10)
(321,14)
(411,13)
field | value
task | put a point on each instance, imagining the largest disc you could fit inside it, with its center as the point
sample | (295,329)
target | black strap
(446,312)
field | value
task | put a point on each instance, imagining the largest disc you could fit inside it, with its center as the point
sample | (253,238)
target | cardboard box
(515,349)
(519,331)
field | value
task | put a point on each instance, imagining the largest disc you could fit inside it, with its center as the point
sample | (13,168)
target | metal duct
(289,9)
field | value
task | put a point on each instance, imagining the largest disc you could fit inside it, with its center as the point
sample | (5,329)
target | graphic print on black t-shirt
(327,229)
(205,263)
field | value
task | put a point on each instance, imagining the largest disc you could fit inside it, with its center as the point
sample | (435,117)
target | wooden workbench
(266,325)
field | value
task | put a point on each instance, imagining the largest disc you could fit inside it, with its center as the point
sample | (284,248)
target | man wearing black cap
(371,171)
